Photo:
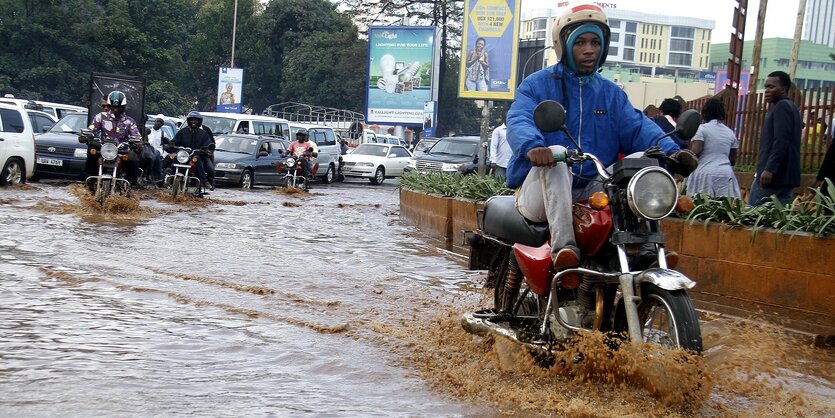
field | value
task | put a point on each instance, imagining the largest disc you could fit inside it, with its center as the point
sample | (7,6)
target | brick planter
(777,275)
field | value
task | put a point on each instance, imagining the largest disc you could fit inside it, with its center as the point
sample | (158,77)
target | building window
(643,42)
(642,56)
(613,51)
(680,59)
(682,32)
(614,23)
(628,54)
(614,37)
(655,29)
(652,44)
(630,40)
(540,24)
(631,27)
(682,45)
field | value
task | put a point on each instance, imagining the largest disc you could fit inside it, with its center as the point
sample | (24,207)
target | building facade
(815,68)
(818,26)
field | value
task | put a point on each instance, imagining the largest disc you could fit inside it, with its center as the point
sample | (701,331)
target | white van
(329,149)
(389,139)
(236,123)
(17,145)
(57,110)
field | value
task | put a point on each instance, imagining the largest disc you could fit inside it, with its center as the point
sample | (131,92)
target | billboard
(722,80)
(401,74)
(489,49)
(230,83)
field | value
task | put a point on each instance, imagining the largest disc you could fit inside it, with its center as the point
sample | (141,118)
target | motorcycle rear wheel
(669,319)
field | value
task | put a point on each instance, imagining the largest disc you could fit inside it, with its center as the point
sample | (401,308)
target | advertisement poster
(722,80)
(401,74)
(429,119)
(489,49)
(230,90)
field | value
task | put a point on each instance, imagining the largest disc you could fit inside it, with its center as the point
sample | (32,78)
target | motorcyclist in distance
(112,123)
(598,115)
(194,137)
(303,149)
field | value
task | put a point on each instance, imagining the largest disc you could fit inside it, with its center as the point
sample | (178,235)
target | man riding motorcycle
(303,149)
(113,124)
(194,137)
(598,115)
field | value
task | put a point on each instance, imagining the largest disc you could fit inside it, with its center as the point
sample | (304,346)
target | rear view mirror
(688,123)
(549,116)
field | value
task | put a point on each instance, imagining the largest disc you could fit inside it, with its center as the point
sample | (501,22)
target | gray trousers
(543,196)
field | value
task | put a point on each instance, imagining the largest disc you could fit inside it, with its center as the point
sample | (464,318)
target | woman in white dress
(716,145)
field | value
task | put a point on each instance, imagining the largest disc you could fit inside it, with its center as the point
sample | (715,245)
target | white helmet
(572,18)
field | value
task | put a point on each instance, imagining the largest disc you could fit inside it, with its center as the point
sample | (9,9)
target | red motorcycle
(623,284)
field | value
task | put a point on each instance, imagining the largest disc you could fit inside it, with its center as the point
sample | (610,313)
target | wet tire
(379,175)
(103,192)
(329,175)
(13,173)
(176,185)
(247,180)
(669,319)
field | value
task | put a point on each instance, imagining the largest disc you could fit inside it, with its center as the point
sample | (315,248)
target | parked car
(58,152)
(376,162)
(449,155)
(57,110)
(169,127)
(330,151)
(423,146)
(41,121)
(247,160)
(17,145)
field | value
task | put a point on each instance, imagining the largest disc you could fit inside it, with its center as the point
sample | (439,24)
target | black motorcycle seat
(503,220)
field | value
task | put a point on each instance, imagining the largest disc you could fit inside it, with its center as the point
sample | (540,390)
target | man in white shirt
(500,151)
(155,140)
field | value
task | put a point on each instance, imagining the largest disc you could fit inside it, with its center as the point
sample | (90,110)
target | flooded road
(252,303)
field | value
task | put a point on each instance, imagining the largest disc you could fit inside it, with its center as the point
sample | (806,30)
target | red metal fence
(746,116)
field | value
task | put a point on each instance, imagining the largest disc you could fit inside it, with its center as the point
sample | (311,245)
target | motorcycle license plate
(50,161)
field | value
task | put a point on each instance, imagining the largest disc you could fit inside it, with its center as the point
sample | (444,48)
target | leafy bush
(455,185)
(812,213)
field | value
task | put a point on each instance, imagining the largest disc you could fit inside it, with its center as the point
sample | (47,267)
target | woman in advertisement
(478,67)
(227,97)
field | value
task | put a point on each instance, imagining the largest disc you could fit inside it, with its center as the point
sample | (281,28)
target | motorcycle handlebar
(572,156)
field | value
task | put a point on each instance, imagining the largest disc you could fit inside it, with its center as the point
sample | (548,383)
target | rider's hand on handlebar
(687,160)
(541,157)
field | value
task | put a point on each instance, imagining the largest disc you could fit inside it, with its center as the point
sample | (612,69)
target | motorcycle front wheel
(176,185)
(103,192)
(669,319)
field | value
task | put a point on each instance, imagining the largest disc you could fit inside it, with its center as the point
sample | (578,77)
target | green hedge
(814,215)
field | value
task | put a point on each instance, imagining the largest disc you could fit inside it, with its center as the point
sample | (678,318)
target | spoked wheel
(104,191)
(669,319)
(176,185)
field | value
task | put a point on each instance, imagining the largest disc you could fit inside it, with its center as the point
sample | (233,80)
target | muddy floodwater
(263,303)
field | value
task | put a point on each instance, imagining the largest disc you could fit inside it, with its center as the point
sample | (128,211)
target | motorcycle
(293,177)
(182,178)
(112,158)
(622,285)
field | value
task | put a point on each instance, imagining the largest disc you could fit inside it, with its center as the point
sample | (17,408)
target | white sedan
(376,162)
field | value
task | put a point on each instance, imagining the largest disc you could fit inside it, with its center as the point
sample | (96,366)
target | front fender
(664,278)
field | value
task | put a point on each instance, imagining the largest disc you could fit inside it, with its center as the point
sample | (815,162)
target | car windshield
(424,145)
(72,124)
(168,131)
(236,144)
(219,125)
(454,147)
(371,149)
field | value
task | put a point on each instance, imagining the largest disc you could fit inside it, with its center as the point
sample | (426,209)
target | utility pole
(234,29)
(798,27)
(758,46)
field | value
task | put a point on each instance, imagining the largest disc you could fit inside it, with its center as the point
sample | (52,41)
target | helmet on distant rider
(575,21)
(194,115)
(117,98)
(301,134)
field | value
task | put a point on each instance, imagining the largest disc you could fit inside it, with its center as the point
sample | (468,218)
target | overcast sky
(779,20)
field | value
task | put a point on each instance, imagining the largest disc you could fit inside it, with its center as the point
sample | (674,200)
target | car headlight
(451,167)
(365,164)
(226,165)
(652,193)
(182,156)
(412,164)
(109,151)
(80,153)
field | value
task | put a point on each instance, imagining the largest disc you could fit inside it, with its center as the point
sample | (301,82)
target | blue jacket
(598,115)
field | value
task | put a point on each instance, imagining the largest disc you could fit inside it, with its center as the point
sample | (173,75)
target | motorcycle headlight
(290,162)
(109,151)
(226,165)
(652,193)
(182,157)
